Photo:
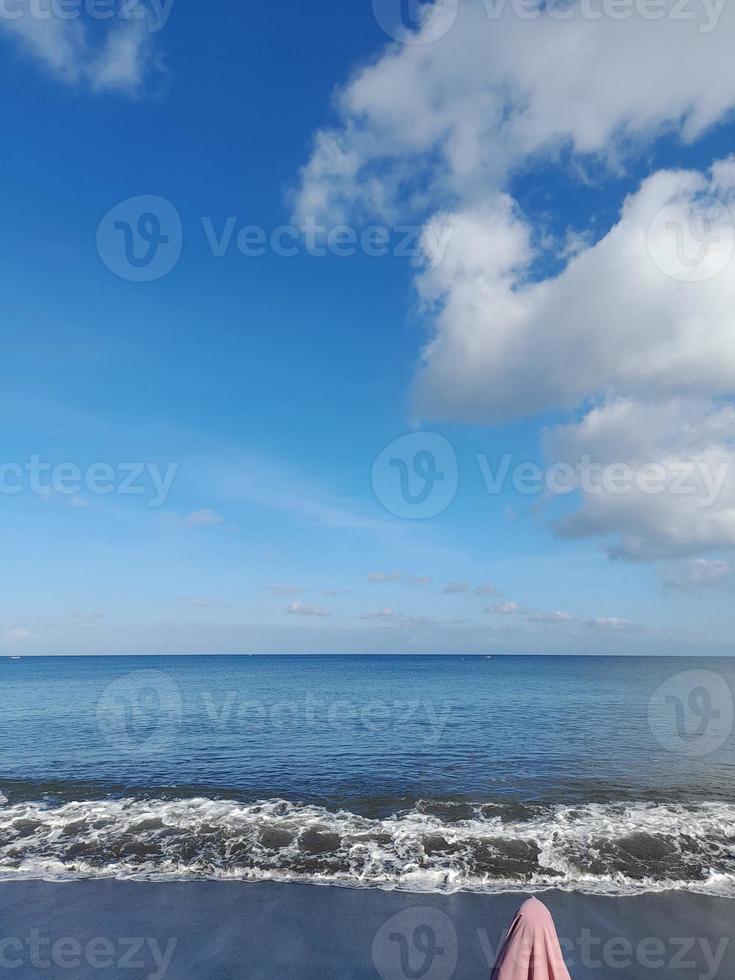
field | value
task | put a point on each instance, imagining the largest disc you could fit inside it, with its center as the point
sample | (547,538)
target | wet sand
(202,930)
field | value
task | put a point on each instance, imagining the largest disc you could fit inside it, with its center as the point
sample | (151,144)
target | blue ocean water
(600,773)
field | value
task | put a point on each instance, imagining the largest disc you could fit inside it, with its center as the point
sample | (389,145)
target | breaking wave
(608,848)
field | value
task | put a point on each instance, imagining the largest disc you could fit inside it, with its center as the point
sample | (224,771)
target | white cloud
(122,60)
(301,609)
(487,588)
(552,617)
(389,615)
(685,446)
(382,614)
(494,91)
(697,575)
(466,588)
(638,324)
(502,608)
(613,319)
(610,623)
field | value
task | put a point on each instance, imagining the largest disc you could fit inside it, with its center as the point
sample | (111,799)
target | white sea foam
(610,848)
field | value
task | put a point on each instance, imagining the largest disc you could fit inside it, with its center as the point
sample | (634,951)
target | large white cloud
(637,331)
(449,119)
(623,315)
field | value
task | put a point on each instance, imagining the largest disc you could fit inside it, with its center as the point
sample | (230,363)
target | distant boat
(15,658)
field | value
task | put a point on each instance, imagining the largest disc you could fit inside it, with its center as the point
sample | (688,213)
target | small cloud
(280,589)
(204,517)
(335,592)
(502,608)
(389,615)
(79,502)
(417,579)
(300,609)
(413,621)
(552,617)
(698,574)
(457,588)
(384,614)
(487,589)
(610,623)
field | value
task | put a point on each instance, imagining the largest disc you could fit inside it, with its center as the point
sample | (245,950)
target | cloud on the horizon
(502,609)
(389,616)
(384,578)
(550,618)
(466,588)
(610,623)
(303,609)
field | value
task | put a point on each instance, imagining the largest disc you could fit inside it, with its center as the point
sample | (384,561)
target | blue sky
(270,385)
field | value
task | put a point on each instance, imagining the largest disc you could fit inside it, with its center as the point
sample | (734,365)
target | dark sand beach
(201,930)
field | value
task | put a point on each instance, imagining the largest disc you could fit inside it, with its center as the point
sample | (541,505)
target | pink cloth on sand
(531,950)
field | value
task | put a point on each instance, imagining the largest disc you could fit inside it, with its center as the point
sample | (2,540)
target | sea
(607,775)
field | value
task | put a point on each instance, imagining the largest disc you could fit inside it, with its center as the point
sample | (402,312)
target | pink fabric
(531,950)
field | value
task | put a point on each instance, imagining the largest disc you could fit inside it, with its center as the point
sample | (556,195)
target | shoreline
(214,930)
